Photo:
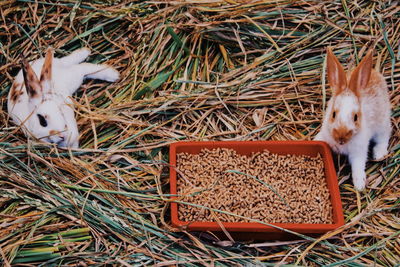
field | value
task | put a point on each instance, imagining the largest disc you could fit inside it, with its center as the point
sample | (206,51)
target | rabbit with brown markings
(40,97)
(358,111)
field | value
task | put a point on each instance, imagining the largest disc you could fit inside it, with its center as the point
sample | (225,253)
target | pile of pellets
(263,186)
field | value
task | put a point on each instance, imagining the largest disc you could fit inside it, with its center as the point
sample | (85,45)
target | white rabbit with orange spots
(358,111)
(40,97)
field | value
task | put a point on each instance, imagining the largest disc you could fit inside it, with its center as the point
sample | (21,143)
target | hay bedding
(201,70)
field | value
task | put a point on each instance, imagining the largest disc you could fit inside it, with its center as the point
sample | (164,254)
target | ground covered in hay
(191,70)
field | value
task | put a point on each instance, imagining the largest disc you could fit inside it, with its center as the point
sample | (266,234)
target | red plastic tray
(248,230)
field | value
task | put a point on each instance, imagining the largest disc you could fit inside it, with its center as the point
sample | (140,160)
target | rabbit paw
(110,74)
(359,180)
(82,53)
(379,151)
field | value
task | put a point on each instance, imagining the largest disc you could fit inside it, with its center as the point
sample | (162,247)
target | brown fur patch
(375,85)
(342,134)
(31,76)
(16,92)
(332,118)
(335,72)
(31,82)
(53,132)
(357,119)
(47,66)
(31,91)
(361,75)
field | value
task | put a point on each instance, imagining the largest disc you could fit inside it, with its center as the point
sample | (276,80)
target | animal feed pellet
(263,186)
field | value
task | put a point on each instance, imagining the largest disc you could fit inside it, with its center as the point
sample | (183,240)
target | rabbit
(40,96)
(358,111)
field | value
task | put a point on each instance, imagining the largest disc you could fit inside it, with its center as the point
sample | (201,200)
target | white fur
(55,103)
(375,124)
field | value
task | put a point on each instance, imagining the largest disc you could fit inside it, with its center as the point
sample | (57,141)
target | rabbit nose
(342,135)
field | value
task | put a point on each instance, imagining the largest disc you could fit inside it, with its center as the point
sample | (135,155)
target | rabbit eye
(334,114)
(355,117)
(42,120)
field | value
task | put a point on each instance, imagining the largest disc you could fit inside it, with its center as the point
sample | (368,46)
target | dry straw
(192,70)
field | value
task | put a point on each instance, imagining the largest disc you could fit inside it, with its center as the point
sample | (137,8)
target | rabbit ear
(336,75)
(360,76)
(45,75)
(32,83)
